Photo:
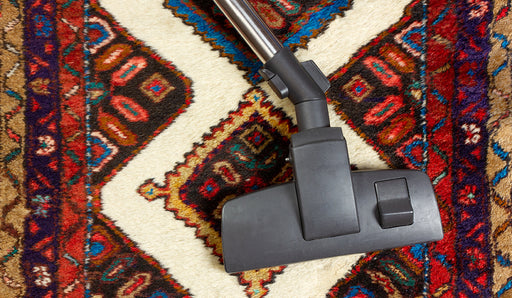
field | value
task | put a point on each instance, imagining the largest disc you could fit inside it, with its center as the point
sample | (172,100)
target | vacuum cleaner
(327,210)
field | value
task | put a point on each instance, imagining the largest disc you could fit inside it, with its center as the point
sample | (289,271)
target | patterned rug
(126,125)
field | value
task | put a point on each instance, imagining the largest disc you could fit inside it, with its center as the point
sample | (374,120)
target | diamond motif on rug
(131,89)
(378,100)
(255,137)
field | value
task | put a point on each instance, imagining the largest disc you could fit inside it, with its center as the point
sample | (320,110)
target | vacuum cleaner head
(312,217)
(263,229)
(327,210)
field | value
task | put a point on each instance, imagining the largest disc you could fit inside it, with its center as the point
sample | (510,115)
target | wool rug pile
(127,124)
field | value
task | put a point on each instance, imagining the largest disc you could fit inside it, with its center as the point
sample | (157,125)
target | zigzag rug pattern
(293,22)
(498,148)
(13,198)
(123,132)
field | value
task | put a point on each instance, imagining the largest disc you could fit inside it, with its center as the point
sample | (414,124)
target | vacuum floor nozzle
(263,229)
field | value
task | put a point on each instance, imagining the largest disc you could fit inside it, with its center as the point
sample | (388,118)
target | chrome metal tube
(252,28)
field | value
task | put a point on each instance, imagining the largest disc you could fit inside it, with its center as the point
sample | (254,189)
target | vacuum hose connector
(303,83)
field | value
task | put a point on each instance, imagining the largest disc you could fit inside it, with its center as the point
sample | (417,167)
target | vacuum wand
(252,28)
(303,83)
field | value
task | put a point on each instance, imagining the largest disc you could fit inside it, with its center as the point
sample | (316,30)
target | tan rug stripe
(12,131)
(500,143)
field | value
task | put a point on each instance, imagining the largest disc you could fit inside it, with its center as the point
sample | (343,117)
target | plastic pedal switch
(394,203)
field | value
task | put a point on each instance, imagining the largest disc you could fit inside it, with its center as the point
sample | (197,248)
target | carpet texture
(126,125)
